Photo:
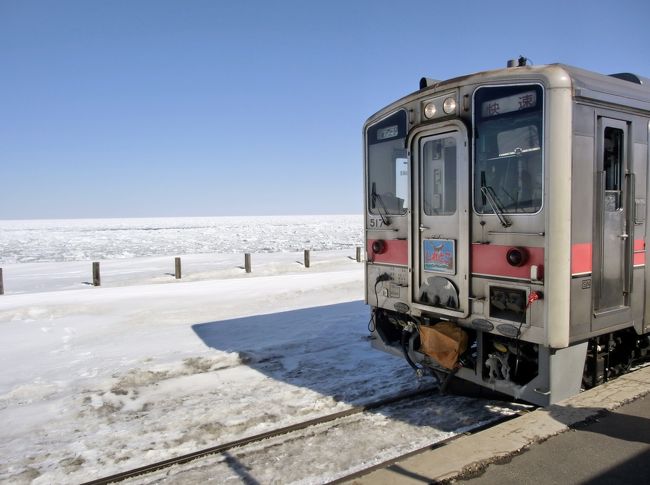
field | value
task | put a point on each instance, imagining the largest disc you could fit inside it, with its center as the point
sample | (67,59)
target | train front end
(467,222)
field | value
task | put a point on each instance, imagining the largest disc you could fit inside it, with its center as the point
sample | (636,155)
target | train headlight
(430,110)
(449,106)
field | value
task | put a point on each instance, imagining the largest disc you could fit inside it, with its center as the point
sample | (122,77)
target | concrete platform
(609,442)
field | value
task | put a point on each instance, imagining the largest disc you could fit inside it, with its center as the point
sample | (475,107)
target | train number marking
(376,223)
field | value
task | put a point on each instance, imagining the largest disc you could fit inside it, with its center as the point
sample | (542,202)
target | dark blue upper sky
(174,108)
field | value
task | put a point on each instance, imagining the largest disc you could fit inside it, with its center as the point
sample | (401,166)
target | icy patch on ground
(159,409)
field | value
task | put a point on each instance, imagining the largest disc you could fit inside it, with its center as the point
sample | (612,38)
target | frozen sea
(29,241)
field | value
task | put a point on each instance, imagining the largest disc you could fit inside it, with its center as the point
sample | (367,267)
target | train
(505,229)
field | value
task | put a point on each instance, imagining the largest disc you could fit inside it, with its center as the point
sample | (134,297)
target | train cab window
(439,177)
(387,166)
(613,168)
(508,141)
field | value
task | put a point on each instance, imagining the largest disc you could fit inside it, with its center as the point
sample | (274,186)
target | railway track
(437,444)
(224,447)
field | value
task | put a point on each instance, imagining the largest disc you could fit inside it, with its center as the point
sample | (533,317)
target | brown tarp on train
(444,342)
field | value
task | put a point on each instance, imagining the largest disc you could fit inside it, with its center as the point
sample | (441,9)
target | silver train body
(512,205)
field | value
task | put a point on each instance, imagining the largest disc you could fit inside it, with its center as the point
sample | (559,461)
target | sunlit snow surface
(94,381)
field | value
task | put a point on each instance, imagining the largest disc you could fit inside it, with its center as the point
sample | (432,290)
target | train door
(613,233)
(440,222)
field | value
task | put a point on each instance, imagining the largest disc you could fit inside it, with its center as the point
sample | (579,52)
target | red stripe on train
(639,258)
(490,259)
(582,256)
(396,251)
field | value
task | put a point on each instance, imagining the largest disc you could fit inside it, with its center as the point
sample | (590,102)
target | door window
(613,168)
(439,180)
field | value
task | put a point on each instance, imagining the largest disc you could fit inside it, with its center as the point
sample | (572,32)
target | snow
(94,381)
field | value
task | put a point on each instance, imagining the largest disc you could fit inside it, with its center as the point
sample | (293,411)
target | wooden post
(177,268)
(307,262)
(247,262)
(2,285)
(97,281)
(358,254)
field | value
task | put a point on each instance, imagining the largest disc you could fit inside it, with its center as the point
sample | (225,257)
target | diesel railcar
(505,220)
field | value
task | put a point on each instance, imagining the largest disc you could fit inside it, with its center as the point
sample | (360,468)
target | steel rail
(179,460)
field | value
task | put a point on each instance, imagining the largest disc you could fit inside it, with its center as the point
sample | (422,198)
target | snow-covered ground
(94,381)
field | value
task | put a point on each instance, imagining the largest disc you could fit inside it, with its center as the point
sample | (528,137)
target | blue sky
(198,108)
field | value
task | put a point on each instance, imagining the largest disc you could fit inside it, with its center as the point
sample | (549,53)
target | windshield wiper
(492,199)
(377,198)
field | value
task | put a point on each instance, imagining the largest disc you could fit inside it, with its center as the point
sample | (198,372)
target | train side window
(388,177)
(613,168)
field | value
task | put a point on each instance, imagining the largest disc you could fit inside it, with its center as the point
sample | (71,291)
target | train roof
(631,87)
(624,89)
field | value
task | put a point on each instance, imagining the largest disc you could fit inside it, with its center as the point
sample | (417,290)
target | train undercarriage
(501,363)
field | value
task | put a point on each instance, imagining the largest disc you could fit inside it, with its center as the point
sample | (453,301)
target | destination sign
(509,104)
